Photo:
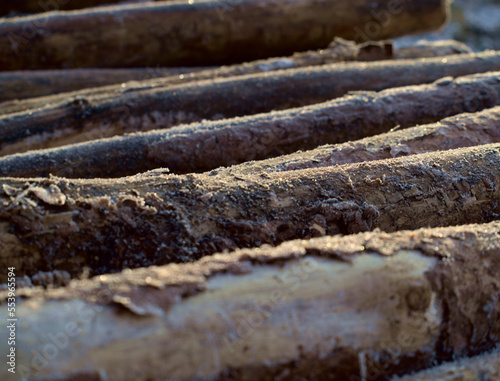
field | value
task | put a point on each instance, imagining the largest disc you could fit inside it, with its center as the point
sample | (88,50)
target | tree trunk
(204,33)
(108,225)
(464,130)
(361,307)
(30,84)
(205,146)
(145,108)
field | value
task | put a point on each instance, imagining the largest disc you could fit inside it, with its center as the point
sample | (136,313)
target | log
(31,84)
(38,6)
(478,368)
(205,146)
(205,32)
(427,49)
(107,225)
(360,307)
(463,130)
(144,108)
(38,83)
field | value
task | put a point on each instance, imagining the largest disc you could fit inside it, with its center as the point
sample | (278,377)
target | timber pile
(218,190)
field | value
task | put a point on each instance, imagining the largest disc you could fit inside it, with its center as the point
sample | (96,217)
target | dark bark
(204,33)
(361,307)
(15,85)
(145,108)
(205,146)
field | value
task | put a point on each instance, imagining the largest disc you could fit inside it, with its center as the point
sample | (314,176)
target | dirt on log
(108,225)
(204,33)
(208,145)
(144,108)
(361,307)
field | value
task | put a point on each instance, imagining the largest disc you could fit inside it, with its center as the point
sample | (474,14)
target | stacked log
(214,190)
(203,32)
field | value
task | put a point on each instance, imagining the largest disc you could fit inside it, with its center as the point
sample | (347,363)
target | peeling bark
(205,146)
(203,33)
(108,225)
(145,108)
(366,306)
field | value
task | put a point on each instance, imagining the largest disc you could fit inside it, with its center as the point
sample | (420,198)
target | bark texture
(108,225)
(145,108)
(208,145)
(204,33)
(361,307)
(464,130)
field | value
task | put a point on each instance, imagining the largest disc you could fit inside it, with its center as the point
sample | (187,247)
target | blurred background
(475,22)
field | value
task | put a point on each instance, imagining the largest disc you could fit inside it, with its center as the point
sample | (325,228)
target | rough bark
(464,130)
(80,118)
(205,146)
(361,307)
(57,81)
(204,33)
(478,368)
(61,224)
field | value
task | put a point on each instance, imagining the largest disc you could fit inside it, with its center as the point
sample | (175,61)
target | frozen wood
(107,225)
(478,368)
(205,146)
(80,119)
(205,32)
(32,84)
(360,307)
